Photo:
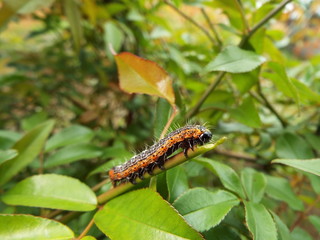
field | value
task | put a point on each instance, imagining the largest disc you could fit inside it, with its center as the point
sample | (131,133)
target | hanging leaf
(138,75)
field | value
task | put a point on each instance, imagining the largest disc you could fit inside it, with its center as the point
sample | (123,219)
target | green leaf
(299,233)
(254,184)
(113,37)
(142,214)
(308,165)
(203,209)
(88,238)
(33,120)
(235,60)
(34,5)
(17,227)
(11,7)
(315,182)
(162,115)
(280,79)
(228,177)
(283,231)
(315,220)
(244,81)
(260,222)
(8,138)
(280,189)
(306,95)
(313,140)
(73,15)
(52,191)
(73,153)
(292,146)
(247,113)
(71,135)
(29,146)
(177,182)
(7,155)
(221,232)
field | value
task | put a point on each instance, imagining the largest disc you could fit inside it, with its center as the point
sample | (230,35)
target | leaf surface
(142,214)
(280,189)
(70,135)
(254,184)
(203,209)
(52,191)
(73,153)
(29,146)
(17,227)
(235,60)
(308,165)
(289,145)
(228,177)
(260,222)
(138,75)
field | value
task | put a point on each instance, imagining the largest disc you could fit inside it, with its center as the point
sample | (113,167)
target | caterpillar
(185,137)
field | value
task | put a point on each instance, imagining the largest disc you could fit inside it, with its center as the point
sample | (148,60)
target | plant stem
(86,230)
(270,107)
(246,28)
(213,29)
(192,21)
(264,21)
(170,163)
(166,127)
(212,86)
(305,213)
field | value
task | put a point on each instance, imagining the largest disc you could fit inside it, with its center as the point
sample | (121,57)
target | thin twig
(212,27)
(192,21)
(264,21)
(100,184)
(86,230)
(304,214)
(270,107)
(212,86)
(166,127)
(236,155)
(246,28)
(170,163)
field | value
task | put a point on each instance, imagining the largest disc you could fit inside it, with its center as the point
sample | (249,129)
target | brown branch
(304,214)
(236,155)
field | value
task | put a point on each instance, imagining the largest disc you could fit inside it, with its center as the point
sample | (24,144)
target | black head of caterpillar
(186,137)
